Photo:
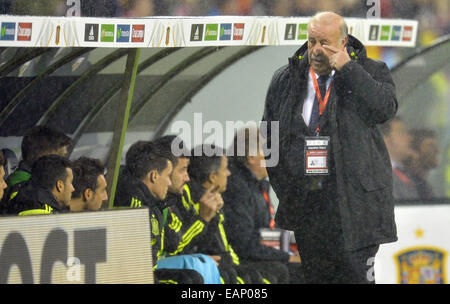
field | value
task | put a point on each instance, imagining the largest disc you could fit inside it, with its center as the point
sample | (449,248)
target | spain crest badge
(421,265)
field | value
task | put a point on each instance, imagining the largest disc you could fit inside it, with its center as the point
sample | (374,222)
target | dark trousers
(239,274)
(273,272)
(320,243)
(178,276)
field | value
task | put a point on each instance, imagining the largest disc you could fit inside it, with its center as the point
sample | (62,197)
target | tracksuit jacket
(133,193)
(185,229)
(32,200)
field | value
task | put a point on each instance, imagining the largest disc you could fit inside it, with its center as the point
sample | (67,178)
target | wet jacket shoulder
(32,200)
(22,174)
(245,216)
(15,181)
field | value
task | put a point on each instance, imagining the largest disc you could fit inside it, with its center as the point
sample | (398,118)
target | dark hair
(85,173)
(165,145)
(385,128)
(41,140)
(201,166)
(2,159)
(418,135)
(143,157)
(49,169)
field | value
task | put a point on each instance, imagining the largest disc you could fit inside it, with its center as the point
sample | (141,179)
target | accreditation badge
(317,149)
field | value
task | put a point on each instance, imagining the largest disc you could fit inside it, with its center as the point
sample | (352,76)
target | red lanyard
(403,177)
(269,204)
(322,102)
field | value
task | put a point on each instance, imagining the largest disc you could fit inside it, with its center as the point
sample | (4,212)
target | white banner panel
(421,252)
(86,247)
(30,31)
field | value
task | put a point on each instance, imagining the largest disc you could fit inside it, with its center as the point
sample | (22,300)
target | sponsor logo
(8,31)
(137,33)
(107,33)
(423,265)
(91,32)
(211,32)
(123,33)
(385,32)
(396,33)
(58,33)
(238,31)
(263,36)
(407,33)
(302,31)
(225,31)
(197,32)
(373,32)
(289,32)
(168,35)
(24,31)
(350,30)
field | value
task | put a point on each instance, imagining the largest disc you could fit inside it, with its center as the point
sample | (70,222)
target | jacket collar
(172,200)
(237,168)
(24,166)
(197,190)
(45,196)
(136,188)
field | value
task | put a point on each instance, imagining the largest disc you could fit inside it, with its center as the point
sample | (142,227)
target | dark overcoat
(362,96)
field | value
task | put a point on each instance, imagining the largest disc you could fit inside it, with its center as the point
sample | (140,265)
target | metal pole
(120,128)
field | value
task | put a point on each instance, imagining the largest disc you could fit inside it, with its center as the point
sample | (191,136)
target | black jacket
(133,193)
(184,228)
(246,213)
(362,96)
(32,200)
(214,240)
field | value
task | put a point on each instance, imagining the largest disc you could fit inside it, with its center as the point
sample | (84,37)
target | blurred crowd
(433,15)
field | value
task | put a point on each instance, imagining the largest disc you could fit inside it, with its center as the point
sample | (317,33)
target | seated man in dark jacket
(210,173)
(37,142)
(247,205)
(143,182)
(89,183)
(48,191)
(187,223)
(184,227)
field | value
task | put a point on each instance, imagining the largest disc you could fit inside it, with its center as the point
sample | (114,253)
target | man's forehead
(321,30)
(101,181)
(169,166)
(183,161)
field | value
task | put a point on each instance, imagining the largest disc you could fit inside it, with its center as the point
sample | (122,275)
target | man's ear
(59,186)
(252,160)
(88,194)
(212,177)
(344,42)
(153,176)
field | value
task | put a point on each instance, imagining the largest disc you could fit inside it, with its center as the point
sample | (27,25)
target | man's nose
(317,49)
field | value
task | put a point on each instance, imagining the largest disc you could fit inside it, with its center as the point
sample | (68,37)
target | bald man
(334,177)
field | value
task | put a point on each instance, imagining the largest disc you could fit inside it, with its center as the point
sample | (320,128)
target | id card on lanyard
(316,155)
(317,148)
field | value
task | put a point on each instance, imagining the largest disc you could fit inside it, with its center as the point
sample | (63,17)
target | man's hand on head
(338,57)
